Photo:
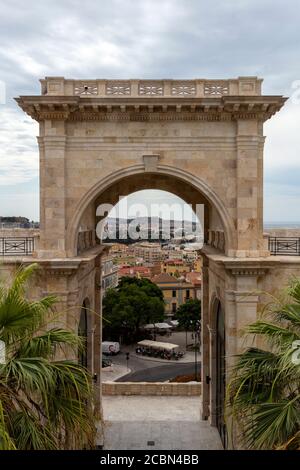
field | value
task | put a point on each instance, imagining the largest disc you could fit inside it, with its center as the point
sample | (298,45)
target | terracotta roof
(164,278)
(194,277)
(133,270)
(174,262)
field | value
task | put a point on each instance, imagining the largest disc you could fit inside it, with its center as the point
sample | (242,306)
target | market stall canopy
(158,345)
(174,322)
(159,326)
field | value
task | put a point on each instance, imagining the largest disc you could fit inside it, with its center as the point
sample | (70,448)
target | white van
(110,348)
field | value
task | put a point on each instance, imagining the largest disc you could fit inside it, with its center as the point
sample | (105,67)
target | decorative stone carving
(151,88)
(183,89)
(247,270)
(118,88)
(216,89)
(86,89)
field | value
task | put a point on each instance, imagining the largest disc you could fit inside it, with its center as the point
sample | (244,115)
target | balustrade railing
(286,246)
(16,246)
(204,88)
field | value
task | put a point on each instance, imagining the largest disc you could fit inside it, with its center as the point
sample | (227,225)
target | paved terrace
(157,423)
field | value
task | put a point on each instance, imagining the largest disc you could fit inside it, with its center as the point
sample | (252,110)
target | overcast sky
(149,39)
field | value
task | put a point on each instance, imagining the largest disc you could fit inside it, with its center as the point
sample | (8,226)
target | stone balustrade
(86,240)
(197,88)
(216,238)
(151,388)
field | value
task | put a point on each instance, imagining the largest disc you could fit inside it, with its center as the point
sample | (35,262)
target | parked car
(110,348)
(106,362)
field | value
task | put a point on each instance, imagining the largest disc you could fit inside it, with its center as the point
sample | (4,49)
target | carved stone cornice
(76,108)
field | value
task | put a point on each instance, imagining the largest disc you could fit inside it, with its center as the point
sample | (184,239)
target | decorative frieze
(244,269)
(180,105)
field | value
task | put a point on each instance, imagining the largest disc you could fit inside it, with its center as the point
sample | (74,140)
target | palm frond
(46,344)
(272,424)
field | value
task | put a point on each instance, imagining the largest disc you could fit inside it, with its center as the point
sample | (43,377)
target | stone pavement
(114,372)
(157,423)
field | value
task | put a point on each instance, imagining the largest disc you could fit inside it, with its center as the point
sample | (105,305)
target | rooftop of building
(165,278)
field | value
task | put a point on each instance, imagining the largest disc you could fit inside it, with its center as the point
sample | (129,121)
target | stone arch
(195,182)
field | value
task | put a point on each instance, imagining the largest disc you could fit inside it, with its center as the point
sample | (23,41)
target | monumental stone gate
(199,139)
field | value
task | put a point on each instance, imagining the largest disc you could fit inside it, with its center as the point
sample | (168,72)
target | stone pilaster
(98,335)
(52,190)
(249,193)
(205,341)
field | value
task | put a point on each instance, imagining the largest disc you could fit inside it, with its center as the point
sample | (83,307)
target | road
(159,373)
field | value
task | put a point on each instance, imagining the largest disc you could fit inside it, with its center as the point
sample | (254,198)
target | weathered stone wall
(19,232)
(96,150)
(151,388)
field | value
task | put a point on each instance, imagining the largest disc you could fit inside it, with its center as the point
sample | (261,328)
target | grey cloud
(147,39)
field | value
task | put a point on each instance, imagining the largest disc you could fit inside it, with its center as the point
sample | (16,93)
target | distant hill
(14,220)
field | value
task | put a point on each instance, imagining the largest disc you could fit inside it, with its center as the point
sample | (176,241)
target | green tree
(264,394)
(133,303)
(189,315)
(43,400)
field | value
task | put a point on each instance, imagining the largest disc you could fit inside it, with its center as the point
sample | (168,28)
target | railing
(288,246)
(16,246)
(216,238)
(86,240)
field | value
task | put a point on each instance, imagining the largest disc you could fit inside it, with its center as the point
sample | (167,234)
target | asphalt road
(160,373)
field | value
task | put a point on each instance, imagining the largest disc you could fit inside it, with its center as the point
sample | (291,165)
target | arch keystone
(151,162)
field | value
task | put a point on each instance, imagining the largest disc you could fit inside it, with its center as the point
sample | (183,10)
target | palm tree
(264,394)
(45,399)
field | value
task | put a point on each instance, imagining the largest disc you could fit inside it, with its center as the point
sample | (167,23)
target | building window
(173,308)
(174,293)
(187,294)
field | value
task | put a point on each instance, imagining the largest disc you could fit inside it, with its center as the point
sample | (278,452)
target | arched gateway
(200,139)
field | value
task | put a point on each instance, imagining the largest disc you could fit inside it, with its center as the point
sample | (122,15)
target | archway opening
(154,238)
(218,227)
(216,221)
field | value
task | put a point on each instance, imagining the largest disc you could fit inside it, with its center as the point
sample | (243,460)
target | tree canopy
(189,314)
(133,303)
